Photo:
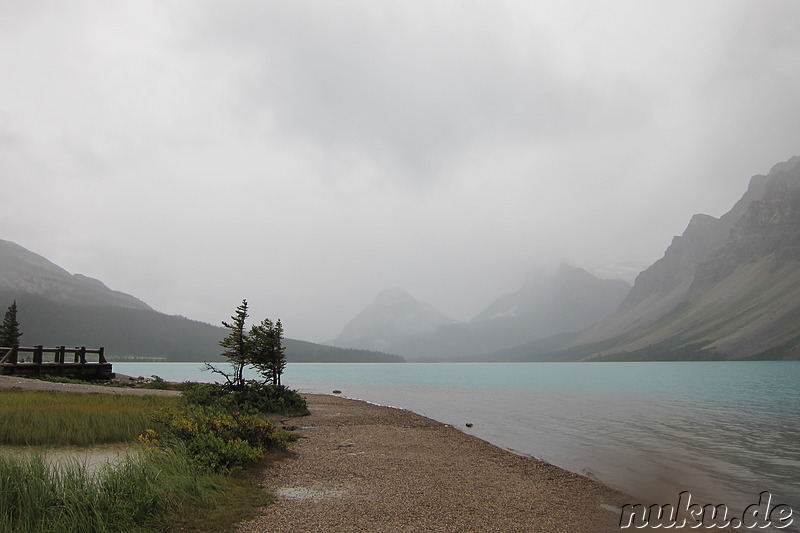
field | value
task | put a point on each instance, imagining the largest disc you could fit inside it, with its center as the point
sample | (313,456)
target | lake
(724,431)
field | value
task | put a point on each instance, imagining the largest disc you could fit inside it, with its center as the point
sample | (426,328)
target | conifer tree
(278,355)
(237,347)
(9,331)
(268,352)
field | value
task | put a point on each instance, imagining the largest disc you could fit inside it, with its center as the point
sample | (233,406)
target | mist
(307,155)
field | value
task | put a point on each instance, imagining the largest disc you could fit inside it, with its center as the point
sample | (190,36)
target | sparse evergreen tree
(9,331)
(278,359)
(237,347)
(268,352)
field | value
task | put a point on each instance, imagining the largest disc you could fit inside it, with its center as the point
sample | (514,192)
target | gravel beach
(361,467)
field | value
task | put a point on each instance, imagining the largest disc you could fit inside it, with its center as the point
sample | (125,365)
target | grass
(155,491)
(160,488)
(55,418)
(239,498)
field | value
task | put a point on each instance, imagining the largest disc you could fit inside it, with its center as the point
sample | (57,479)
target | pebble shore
(365,468)
(360,467)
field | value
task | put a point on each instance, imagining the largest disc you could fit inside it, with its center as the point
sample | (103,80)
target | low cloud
(306,155)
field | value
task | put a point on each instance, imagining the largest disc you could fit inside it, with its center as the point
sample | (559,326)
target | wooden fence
(59,364)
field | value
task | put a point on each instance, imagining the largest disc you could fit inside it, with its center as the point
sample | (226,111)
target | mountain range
(727,288)
(389,320)
(547,303)
(58,308)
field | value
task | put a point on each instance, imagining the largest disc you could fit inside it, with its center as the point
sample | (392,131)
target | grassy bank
(149,492)
(178,480)
(54,418)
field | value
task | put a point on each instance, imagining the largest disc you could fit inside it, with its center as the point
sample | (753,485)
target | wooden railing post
(77,351)
(83,355)
(62,350)
(101,351)
(37,354)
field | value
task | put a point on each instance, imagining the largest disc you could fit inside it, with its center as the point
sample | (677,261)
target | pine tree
(9,331)
(268,352)
(237,347)
(278,355)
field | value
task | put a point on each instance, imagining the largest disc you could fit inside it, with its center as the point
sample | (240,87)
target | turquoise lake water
(724,431)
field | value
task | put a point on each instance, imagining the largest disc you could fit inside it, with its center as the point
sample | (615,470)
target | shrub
(157,383)
(252,398)
(215,439)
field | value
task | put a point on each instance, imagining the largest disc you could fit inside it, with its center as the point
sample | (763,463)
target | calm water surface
(725,431)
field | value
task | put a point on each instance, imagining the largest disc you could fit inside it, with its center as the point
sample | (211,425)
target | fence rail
(76,365)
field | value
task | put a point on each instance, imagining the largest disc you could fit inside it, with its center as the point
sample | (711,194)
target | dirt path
(11,382)
(362,467)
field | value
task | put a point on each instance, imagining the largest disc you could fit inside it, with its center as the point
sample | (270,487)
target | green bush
(221,455)
(253,398)
(216,440)
(157,383)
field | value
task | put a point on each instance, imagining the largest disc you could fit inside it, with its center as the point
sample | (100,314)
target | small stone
(469,424)
(337,391)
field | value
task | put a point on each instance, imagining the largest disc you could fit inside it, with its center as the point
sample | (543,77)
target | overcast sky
(306,155)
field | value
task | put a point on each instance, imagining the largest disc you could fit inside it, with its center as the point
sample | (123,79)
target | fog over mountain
(57,308)
(391,318)
(727,288)
(549,302)
(306,156)
(25,272)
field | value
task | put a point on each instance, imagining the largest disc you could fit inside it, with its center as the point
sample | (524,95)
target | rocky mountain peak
(729,287)
(769,226)
(393,315)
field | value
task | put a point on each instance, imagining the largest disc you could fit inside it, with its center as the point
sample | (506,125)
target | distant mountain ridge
(568,300)
(56,307)
(727,288)
(548,303)
(393,316)
(26,272)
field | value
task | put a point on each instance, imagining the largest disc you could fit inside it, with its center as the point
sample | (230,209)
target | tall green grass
(159,489)
(53,418)
(146,493)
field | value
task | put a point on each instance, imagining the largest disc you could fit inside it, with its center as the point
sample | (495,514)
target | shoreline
(360,466)
(365,467)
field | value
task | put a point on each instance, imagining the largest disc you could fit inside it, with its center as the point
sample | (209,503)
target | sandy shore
(361,467)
